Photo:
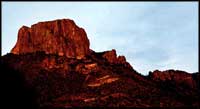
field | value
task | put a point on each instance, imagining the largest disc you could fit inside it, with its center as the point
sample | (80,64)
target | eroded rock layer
(62,37)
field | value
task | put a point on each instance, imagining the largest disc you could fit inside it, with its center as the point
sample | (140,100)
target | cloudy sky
(151,35)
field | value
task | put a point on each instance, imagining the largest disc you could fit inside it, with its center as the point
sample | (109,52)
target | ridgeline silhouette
(52,67)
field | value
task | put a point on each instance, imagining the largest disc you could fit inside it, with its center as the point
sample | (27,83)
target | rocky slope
(52,67)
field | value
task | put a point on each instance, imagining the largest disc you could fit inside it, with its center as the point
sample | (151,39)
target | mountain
(52,67)
(61,37)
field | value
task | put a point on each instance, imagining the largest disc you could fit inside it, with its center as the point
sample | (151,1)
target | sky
(151,35)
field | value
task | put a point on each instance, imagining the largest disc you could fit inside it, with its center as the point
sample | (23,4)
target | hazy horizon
(151,35)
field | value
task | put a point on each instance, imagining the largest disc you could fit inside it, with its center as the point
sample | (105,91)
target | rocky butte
(61,37)
(52,67)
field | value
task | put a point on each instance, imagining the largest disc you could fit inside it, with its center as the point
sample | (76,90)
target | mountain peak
(61,37)
(76,76)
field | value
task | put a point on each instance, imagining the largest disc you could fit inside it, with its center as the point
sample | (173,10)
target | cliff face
(52,67)
(61,37)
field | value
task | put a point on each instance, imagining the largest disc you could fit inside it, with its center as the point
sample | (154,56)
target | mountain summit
(61,37)
(52,67)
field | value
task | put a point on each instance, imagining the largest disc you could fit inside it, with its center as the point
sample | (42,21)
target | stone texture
(110,56)
(61,37)
(169,75)
(121,59)
(100,79)
(179,77)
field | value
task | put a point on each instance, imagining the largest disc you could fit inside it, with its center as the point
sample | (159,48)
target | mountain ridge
(53,76)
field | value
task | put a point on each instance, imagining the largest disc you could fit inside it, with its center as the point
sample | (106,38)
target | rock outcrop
(112,58)
(59,82)
(52,67)
(175,76)
(62,37)
(169,75)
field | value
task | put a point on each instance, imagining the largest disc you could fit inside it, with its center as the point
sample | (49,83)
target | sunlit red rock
(110,56)
(60,70)
(176,76)
(121,59)
(61,37)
